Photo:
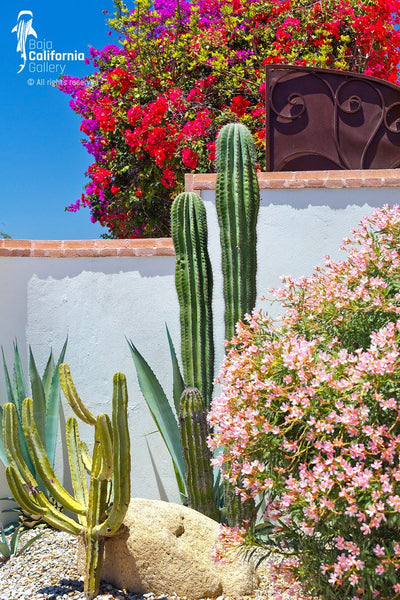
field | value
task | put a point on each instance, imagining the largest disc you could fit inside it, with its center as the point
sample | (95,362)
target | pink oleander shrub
(309,417)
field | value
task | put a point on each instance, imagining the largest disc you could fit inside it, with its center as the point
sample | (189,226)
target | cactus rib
(42,463)
(75,459)
(237,204)
(199,472)
(103,436)
(193,280)
(122,459)
(11,442)
(69,389)
(35,502)
(22,496)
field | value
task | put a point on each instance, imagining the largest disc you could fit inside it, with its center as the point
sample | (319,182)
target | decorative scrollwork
(392,122)
(326,119)
(295,107)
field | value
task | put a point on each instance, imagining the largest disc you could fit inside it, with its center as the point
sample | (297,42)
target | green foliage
(100,504)
(11,547)
(45,392)
(160,408)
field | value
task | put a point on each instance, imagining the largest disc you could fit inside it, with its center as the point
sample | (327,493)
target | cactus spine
(197,456)
(193,280)
(237,204)
(101,506)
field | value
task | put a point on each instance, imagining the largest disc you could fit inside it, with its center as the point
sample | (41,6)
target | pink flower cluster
(309,416)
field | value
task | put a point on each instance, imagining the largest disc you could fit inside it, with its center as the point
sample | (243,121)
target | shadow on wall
(302,199)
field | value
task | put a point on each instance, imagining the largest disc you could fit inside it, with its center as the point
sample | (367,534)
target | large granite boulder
(166,548)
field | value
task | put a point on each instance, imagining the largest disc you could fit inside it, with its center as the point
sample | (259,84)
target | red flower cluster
(239,105)
(189,158)
(101,177)
(103,113)
(120,79)
(149,117)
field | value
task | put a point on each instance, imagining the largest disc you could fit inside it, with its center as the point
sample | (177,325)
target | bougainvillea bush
(152,109)
(309,416)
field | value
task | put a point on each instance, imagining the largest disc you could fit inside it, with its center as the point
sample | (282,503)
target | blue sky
(42,162)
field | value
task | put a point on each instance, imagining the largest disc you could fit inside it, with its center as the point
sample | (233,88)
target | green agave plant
(165,420)
(161,408)
(11,547)
(45,392)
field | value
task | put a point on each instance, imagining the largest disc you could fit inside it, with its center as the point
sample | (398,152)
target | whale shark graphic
(23,28)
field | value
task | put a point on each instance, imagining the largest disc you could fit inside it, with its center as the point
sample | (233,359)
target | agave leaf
(38,397)
(30,542)
(48,375)
(53,408)
(5,550)
(14,541)
(16,394)
(19,381)
(160,409)
(3,535)
(178,383)
(9,390)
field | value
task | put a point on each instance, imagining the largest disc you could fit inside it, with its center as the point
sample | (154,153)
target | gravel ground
(47,571)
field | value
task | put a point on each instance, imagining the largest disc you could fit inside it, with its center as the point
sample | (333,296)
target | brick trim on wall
(306,179)
(86,248)
(197,182)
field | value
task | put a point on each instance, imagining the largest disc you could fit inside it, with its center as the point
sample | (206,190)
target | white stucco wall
(96,302)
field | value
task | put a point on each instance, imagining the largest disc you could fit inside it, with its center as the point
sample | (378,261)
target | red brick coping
(87,248)
(197,182)
(307,179)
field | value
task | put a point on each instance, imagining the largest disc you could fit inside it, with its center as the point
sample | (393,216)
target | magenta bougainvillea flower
(181,70)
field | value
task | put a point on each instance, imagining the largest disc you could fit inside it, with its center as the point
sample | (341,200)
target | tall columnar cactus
(193,280)
(237,202)
(101,505)
(197,456)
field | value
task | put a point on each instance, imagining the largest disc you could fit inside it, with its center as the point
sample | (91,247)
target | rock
(166,548)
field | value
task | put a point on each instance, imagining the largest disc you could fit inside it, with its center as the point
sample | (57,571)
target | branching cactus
(193,280)
(100,500)
(197,456)
(237,201)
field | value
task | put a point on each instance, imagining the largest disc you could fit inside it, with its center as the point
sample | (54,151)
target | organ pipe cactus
(197,456)
(193,281)
(237,202)
(100,504)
